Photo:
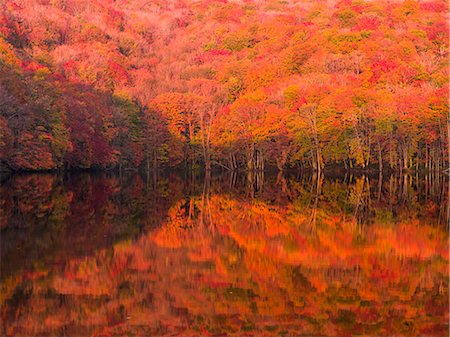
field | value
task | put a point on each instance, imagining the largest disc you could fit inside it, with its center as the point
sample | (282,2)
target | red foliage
(438,32)
(382,67)
(367,23)
(117,72)
(434,6)
(32,66)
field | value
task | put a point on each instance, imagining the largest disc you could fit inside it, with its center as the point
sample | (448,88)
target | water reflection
(107,255)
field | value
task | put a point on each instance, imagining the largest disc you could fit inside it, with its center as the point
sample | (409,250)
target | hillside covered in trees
(232,84)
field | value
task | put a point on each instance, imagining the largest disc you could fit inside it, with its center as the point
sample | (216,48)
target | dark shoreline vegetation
(174,83)
(102,253)
(328,172)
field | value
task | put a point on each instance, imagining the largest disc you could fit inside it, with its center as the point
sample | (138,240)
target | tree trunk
(207,156)
(259,160)
(191,154)
(155,161)
(448,149)
(417,161)
(318,156)
(250,157)
(207,162)
(380,158)
(391,155)
(405,157)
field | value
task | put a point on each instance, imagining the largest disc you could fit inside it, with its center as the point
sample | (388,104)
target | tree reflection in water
(107,255)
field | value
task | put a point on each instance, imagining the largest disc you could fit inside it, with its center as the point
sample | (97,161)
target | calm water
(108,255)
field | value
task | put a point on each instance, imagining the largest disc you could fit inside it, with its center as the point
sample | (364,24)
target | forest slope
(240,84)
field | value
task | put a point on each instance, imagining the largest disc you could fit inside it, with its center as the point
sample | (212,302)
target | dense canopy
(232,84)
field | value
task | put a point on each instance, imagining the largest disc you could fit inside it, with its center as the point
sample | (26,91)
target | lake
(102,254)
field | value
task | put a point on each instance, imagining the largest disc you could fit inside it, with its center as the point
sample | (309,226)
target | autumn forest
(230,85)
(224,168)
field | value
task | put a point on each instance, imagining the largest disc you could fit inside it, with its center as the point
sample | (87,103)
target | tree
(212,99)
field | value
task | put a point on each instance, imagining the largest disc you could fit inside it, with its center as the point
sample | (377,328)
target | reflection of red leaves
(118,266)
(431,207)
(383,274)
(368,315)
(437,305)
(213,283)
(193,274)
(300,239)
(34,275)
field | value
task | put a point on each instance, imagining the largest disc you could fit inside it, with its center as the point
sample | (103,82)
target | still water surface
(108,255)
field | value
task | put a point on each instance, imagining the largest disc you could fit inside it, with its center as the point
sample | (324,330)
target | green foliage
(290,95)
(236,41)
(347,18)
